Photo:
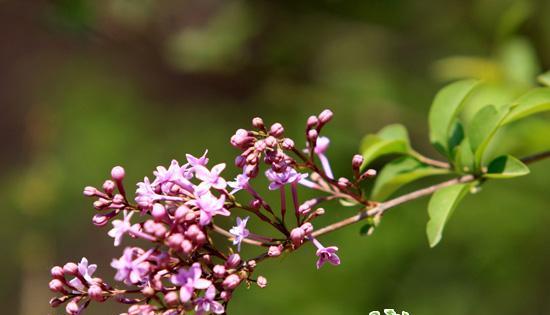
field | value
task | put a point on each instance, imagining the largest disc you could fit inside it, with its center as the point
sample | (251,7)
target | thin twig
(383,207)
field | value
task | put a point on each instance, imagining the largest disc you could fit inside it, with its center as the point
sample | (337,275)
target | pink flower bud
(118,198)
(101,204)
(225,295)
(118,173)
(343,182)
(100,219)
(312,121)
(174,241)
(251,264)
(288,144)
(187,246)
(368,173)
(57,286)
(181,211)
(148,291)
(251,170)
(325,116)
(219,271)
(312,135)
(275,251)
(319,211)
(89,191)
(231,282)
(297,236)
(72,308)
(233,261)
(171,298)
(260,145)
(271,141)
(158,212)
(96,293)
(257,122)
(109,186)
(307,228)
(193,231)
(262,282)
(207,259)
(276,130)
(57,272)
(357,161)
(70,268)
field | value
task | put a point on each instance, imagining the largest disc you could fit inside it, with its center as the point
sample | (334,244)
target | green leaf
(544,78)
(444,110)
(535,101)
(464,157)
(482,128)
(400,172)
(441,207)
(506,166)
(392,139)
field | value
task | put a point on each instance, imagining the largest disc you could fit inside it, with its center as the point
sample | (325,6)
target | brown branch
(383,207)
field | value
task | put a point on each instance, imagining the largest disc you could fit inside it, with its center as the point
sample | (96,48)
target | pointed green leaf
(535,101)
(441,207)
(392,139)
(544,78)
(482,128)
(444,110)
(506,166)
(400,172)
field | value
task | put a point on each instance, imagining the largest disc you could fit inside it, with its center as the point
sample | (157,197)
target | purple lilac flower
(211,178)
(325,254)
(240,182)
(279,179)
(121,227)
(209,206)
(166,176)
(240,232)
(193,161)
(86,271)
(207,304)
(130,270)
(189,280)
(146,195)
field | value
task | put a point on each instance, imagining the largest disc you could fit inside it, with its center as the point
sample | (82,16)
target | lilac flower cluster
(180,268)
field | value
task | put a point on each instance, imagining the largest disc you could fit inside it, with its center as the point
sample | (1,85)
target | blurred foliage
(90,84)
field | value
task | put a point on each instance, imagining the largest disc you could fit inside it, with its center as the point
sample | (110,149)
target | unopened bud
(96,293)
(262,282)
(118,173)
(357,161)
(312,135)
(89,191)
(343,182)
(276,130)
(231,282)
(288,144)
(257,122)
(158,212)
(57,272)
(275,251)
(57,286)
(171,298)
(70,268)
(307,228)
(325,116)
(297,237)
(219,271)
(109,186)
(312,121)
(233,261)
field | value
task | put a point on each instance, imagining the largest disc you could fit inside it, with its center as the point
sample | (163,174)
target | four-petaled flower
(240,182)
(121,227)
(327,254)
(86,271)
(130,270)
(279,179)
(207,304)
(189,280)
(211,178)
(240,232)
(209,206)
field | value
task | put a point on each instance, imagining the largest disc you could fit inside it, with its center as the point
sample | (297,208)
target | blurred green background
(86,85)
